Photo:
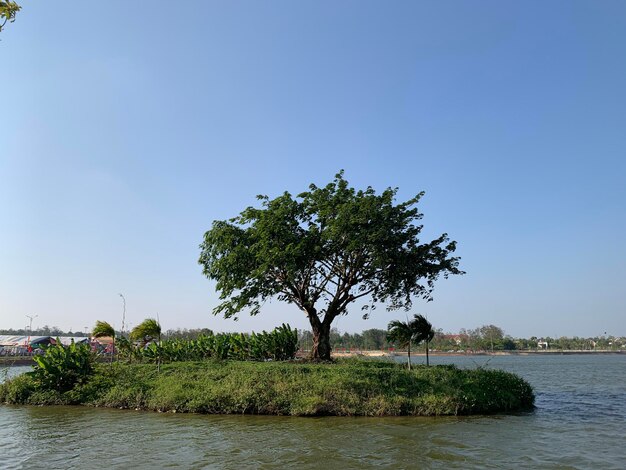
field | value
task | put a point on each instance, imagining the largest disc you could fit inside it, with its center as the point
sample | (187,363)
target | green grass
(346,388)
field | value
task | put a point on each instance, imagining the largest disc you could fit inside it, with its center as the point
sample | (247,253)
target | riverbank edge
(348,387)
(27,360)
(555,352)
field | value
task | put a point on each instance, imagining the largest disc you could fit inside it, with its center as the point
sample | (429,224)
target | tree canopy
(147,330)
(103,329)
(322,251)
(8,10)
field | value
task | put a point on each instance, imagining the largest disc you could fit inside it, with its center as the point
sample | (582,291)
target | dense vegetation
(345,388)
(279,344)
(61,368)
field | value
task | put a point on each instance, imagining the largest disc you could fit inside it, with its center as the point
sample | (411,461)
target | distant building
(67,340)
(22,345)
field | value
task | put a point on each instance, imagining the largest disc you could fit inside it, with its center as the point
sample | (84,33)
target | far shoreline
(381,353)
(26,361)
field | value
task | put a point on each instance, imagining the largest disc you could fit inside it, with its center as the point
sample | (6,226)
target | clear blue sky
(126,128)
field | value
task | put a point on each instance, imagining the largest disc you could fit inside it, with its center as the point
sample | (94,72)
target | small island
(258,373)
(322,251)
(350,387)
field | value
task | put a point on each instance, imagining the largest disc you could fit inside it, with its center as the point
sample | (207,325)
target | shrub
(17,390)
(60,368)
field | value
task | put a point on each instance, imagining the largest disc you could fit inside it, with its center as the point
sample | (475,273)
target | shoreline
(381,353)
(25,361)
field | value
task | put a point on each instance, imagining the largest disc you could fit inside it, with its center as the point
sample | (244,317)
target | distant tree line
(43,331)
(484,338)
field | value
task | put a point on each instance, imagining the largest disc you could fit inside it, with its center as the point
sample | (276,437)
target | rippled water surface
(580,422)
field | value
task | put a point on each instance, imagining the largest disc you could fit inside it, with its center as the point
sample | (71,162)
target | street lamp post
(123,314)
(30,327)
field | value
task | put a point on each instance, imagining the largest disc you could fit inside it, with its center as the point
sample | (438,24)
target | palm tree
(124,348)
(401,333)
(422,331)
(417,330)
(104,329)
(147,330)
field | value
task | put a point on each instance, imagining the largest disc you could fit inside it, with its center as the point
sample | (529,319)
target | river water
(579,423)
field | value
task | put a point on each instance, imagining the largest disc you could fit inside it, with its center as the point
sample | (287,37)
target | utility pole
(123,314)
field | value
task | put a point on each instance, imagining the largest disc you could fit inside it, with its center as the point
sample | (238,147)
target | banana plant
(62,367)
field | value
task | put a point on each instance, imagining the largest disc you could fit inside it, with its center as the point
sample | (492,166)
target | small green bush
(17,390)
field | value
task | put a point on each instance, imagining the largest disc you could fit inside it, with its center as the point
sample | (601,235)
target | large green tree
(322,251)
(491,334)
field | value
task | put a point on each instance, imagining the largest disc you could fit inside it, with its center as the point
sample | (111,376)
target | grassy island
(345,388)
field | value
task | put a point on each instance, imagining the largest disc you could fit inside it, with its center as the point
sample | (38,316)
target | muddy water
(580,422)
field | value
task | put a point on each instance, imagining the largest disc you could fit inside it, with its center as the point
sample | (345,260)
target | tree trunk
(321,337)
(427,364)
